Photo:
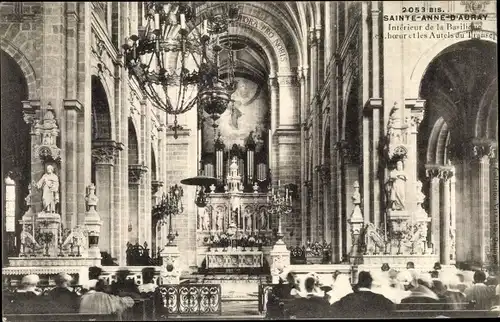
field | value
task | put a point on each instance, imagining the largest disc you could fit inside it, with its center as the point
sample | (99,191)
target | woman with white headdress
(382,285)
(341,287)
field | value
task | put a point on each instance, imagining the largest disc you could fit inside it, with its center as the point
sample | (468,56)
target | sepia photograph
(249,160)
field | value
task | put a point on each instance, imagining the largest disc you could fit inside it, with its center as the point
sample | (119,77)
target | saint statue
(397,182)
(49,183)
(218,218)
(248,220)
(263,219)
(204,219)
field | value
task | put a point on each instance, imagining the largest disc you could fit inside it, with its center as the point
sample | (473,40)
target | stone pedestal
(279,260)
(92,223)
(170,255)
(398,219)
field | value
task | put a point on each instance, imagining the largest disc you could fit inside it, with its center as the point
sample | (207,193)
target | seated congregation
(120,300)
(385,293)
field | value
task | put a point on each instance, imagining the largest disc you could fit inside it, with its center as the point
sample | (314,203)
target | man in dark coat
(63,299)
(124,286)
(363,303)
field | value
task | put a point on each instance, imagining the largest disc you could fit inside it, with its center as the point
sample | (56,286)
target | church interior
(231,142)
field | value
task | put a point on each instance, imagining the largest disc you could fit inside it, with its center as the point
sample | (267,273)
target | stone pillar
(494,209)
(288,115)
(483,151)
(371,148)
(303,158)
(325,180)
(146,186)
(274,98)
(453,221)
(136,172)
(432,172)
(104,154)
(445,242)
(70,166)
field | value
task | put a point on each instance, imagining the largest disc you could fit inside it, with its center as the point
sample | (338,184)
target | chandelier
(169,205)
(167,32)
(279,203)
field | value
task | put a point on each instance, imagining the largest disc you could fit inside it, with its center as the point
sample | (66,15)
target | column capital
(105,151)
(417,112)
(483,148)
(135,173)
(436,171)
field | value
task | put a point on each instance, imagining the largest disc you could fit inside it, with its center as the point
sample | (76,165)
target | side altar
(401,234)
(46,247)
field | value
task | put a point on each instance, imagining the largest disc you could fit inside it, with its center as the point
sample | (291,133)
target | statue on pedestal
(397,183)
(49,183)
(263,219)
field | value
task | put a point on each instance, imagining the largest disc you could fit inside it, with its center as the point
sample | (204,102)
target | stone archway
(103,157)
(351,150)
(460,87)
(133,184)
(15,140)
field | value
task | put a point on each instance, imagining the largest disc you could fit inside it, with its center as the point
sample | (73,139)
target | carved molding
(289,80)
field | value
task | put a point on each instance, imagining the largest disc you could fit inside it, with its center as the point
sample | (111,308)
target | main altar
(234,230)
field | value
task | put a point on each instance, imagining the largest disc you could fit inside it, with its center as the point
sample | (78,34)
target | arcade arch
(457,142)
(16,140)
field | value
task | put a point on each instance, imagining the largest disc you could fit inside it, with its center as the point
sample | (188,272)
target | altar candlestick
(205,27)
(157,21)
(183,21)
(286,194)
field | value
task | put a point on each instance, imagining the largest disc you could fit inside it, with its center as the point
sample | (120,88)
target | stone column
(432,172)
(146,188)
(69,211)
(274,98)
(445,243)
(104,154)
(372,120)
(453,221)
(494,208)
(135,175)
(315,111)
(325,180)
(303,158)
(483,151)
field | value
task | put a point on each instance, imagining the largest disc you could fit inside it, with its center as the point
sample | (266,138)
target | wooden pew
(59,317)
